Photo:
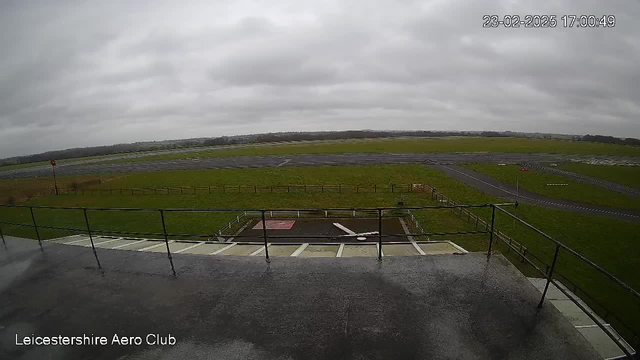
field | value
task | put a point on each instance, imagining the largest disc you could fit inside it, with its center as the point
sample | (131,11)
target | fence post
(264,235)
(379,234)
(2,236)
(93,247)
(549,275)
(255,188)
(166,241)
(392,188)
(493,219)
(375,188)
(35,226)
(209,189)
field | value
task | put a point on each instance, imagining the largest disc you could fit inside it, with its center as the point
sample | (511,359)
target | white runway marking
(283,163)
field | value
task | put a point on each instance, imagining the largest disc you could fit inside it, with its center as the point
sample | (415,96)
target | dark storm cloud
(93,73)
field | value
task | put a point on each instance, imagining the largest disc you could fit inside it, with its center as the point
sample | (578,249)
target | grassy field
(626,175)
(454,144)
(21,166)
(536,181)
(612,244)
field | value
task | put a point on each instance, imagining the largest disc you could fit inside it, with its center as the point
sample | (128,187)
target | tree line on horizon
(288,137)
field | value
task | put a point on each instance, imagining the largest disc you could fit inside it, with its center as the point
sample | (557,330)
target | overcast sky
(82,73)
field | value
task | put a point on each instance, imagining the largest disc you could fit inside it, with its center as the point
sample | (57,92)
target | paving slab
(572,312)
(601,342)
(112,245)
(360,251)
(320,251)
(206,249)
(241,250)
(282,250)
(399,250)
(139,245)
(174,246)
(437,248)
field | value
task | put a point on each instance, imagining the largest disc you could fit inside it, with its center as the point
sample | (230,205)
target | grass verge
(536,181)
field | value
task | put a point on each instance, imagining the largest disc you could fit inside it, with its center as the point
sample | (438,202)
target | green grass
(536,181)
(22,166)
(453,144)
(626,175)
(610,243)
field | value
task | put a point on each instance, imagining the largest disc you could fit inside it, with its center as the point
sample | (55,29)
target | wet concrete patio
(231,307)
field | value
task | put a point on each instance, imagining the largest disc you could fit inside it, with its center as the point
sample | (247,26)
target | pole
(166,241)
(55,182)
(379,234)
(2,236)
(264,235)
(549,275)
(493,219)
(86,219)
(35,226)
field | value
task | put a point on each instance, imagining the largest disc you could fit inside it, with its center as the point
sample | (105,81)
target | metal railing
(550,270)
(262,212)
(489,227)
(185,190)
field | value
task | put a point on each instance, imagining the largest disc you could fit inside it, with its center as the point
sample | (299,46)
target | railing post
(93,247)
(550,275)
(264,235)
(166,241)
(493,219)
(35,226)
(379,234)
(2,236)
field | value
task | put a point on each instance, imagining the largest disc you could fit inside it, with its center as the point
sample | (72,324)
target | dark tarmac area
(421,307)
(242,162)
(324,227)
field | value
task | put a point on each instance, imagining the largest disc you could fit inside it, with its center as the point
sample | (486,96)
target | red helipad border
(275,225)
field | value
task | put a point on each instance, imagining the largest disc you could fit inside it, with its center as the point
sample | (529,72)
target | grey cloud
(93,73)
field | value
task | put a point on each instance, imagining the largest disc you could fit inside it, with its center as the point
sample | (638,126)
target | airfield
(432,253)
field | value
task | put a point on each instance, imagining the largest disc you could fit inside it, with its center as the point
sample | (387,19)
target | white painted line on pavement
(340,250)
(223,249)
(259,250)
(299,250)
(124,245)
(415,245)
(188,248)
(155,246)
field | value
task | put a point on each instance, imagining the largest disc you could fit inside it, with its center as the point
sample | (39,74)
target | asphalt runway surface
(495,187)
(436,307)
(242,162)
